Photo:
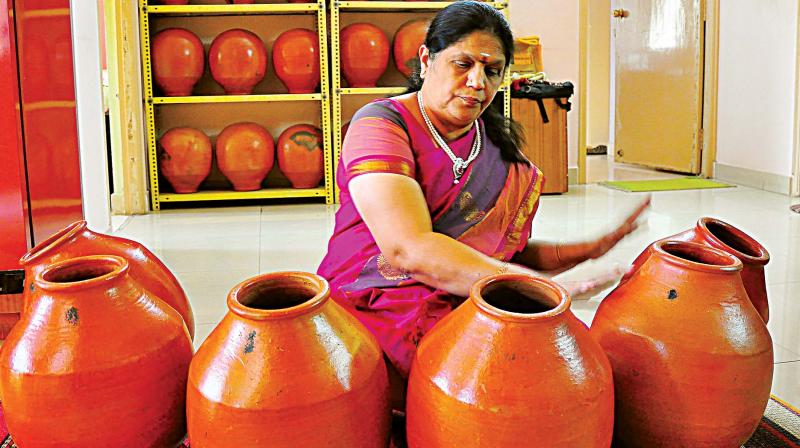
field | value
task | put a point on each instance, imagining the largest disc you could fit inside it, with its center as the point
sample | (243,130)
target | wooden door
(658,49)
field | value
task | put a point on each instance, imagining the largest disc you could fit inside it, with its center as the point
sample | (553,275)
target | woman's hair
(454,23)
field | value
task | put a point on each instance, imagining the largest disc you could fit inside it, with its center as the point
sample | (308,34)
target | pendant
(459,166)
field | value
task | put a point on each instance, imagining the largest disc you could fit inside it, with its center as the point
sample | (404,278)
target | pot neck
(81,273)
(696,257)
(57,240)
(278,295)
(733,240)
(520,298)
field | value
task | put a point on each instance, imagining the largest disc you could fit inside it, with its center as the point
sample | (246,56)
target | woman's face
(460,81)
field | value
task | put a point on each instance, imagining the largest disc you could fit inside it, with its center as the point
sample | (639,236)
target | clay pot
(238,61)
(287,367)
(300,155)
(77,240)
(184,158)
(96,360)
(692,358)
(365,54)
(406,45)
(721,235)
(174,2)
(511,364)
(240,2)
(296,60)
(177,61)
(245,154)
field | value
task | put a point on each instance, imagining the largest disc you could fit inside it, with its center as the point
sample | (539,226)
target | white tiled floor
(211,250)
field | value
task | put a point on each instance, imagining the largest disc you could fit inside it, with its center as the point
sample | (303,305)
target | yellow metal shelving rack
(319,9)
(338,92)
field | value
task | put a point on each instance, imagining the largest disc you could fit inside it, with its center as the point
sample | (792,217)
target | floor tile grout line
(260,231)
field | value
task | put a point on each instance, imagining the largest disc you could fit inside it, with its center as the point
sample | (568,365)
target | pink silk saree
(491,210)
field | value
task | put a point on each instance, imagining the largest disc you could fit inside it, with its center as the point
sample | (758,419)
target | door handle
(621,13)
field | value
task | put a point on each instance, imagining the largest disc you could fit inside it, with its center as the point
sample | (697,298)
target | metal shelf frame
(338,92)
(151,102)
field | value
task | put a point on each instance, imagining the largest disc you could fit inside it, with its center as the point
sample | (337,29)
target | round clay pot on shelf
(96,360)
(238,61)
(296,60)
(174,2)
(692,358)
(300,156)
(245,155)
(407,41)
(721,235)
(240,2)
(288,367)
(178,61)
(184,158)
(511,364)
(78,240)
(365,54)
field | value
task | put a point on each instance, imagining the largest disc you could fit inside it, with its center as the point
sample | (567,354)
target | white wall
(556,22)
(757,71)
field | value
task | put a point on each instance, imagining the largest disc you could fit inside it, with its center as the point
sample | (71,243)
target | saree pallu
(490,210)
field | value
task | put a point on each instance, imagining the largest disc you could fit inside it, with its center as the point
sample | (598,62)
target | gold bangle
(558,255)
(503,268)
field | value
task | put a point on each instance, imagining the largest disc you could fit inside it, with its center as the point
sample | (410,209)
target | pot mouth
(697,256)
(52,242)
(81,272)
(519,297)
(278,295)
(738,242)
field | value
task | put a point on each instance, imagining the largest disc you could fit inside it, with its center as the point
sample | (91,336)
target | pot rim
(763,256)
(730,263)
(542,285)
(40,250)
(119,267)
(313,281)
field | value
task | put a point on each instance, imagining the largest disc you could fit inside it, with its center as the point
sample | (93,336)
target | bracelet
(558,255)
(503,268)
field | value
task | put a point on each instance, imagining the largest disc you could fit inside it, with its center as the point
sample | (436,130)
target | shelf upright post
(324,88)
(336,86)
(149,111)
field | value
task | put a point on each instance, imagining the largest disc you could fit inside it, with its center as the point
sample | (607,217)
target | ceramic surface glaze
(184,158)
(77,240)
(692,358)
(287,368)
(96,360)
(510,367)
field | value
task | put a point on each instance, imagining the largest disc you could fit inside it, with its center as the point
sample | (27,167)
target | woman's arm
(554,258)
(395,211)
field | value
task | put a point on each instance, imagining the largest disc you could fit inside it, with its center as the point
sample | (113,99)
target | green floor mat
(685,183)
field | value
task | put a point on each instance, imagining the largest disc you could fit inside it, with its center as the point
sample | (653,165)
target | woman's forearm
(552,257)
(444,263)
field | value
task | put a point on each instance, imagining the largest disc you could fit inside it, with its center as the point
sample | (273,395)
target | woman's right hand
(587,288)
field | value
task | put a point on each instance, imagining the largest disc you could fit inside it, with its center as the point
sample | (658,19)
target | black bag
(539,90)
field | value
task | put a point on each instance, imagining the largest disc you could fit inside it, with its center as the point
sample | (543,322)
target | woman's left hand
(599,247)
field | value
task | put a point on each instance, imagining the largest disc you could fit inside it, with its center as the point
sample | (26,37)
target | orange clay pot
(300,155)
(721,235)
(512,366)
(287,367)
(184,158)
(96,360)
(238,61)
(692,358)
(296,60)
(174,2)
(406,45)
(365,54)
(245,154)
(178,61)
(77,240)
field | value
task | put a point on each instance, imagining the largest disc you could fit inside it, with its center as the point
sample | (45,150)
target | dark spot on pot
(72,316)
(33,286)
(251,342)
(673,294)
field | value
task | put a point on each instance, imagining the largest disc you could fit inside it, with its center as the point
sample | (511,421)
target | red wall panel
(14,232)
(47,88)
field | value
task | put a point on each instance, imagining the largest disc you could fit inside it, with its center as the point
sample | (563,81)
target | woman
(435,193)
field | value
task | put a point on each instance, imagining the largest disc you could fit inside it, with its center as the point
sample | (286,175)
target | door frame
(795,188)
(708,150)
